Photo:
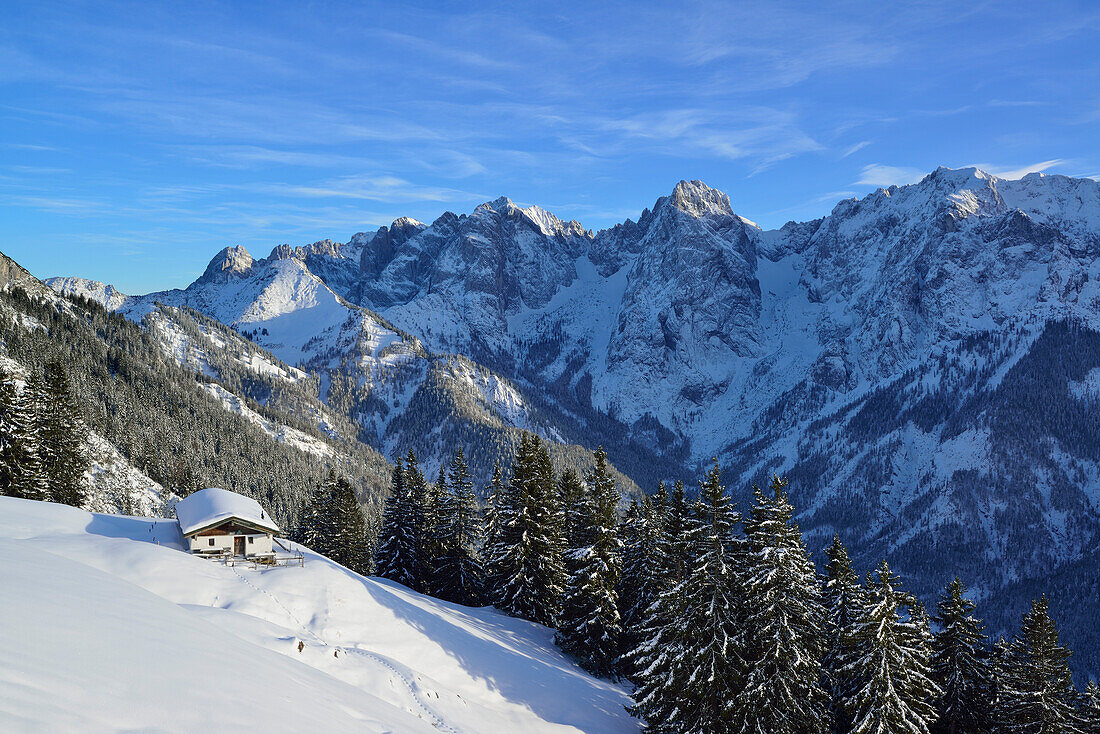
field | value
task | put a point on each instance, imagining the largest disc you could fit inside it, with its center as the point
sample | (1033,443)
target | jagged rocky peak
(542,220)
(230,262)
(700,200)
(405,224)
(500,204)
(378,249)
(326,248)
(282,252)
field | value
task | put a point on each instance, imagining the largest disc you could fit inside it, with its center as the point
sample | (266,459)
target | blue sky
(138,139)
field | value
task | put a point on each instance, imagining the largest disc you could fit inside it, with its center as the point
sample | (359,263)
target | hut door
(238,545)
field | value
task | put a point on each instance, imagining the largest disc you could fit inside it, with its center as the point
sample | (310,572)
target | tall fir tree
(844,600)
(783,642)
(642,581)
(460,577)
(524,558)
(62,436)
(589,626)
(435,501)
(422,514)
(1089,713)
(998,668)
(679,536)
(348,542)
(691,669)
(1037,694)
(572,495)
(315,520)
(500,518)
(21,473)
(960,665)
(396,555)
(656,661)
(892,664)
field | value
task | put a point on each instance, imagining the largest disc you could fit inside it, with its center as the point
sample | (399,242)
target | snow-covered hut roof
(209,507)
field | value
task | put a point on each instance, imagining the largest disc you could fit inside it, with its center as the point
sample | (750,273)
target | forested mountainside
(176,401)
(177,428)
(919,361)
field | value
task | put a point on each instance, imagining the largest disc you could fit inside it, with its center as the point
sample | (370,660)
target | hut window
(211,541)
(251,540)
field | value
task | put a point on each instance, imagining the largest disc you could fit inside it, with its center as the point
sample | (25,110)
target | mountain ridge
(884,355)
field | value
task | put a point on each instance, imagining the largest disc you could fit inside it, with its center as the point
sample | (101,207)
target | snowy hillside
(109,626)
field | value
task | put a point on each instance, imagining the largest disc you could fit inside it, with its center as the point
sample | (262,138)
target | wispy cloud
(855,148)
(386,189)
(882,176)
(1011,173)
(255,156)
(760,134)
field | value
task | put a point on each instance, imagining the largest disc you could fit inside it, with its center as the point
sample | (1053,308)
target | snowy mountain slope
(117,486)
(380,382)
(375,656)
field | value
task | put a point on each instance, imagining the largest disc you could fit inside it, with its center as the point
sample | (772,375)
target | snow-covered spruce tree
(524,548)
(576,513)
(21,472)
(844,601)
(589,625)
(1037,693)
(998,668)
(349,539)
(642,581)
(422,520)
(892,664)
(691,669)
(396,557)
(437,496)
(500,518)
(1089,712)
(783,642)
(679,538)
(315,524)
(960,665)
(652,662)
(459,575)
(62,436)
(547,541)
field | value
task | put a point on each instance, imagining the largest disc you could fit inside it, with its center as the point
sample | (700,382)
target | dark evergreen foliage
(62,436)
(524,547)
(960,665)
(892,689)
(643,579)
(783,642)
(589,626)
(1035,689)
(692,669)
(333,525)
(21,473)
(396,556)
(460,576)
(844,600)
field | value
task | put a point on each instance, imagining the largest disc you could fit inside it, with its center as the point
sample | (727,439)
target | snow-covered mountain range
(922,362)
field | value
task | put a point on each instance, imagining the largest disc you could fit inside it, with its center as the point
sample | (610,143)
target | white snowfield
(109,627)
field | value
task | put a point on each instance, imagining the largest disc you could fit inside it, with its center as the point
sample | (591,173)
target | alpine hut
(218,522)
